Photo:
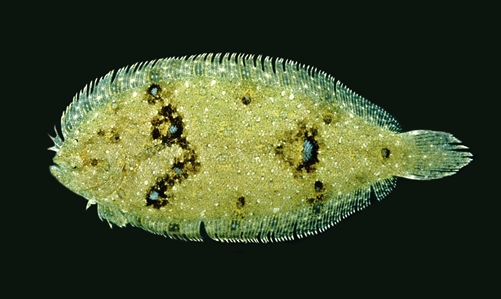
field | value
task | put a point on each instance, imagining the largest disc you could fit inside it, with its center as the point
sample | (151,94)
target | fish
(236,148)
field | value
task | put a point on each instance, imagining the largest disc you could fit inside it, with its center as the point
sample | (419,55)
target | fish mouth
(55,170)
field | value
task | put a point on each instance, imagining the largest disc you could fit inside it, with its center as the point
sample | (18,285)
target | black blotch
(193,164)
(167,111)
(174,227)
(188,166)
(319,186)
(93,162)
(168,116)
(240,202)
(100,133)
(385,153)
(246,99)
(155,133)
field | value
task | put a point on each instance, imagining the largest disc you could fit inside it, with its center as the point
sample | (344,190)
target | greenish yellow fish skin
(252,149)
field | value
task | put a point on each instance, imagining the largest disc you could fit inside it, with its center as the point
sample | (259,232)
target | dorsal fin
(267,70)
(357,105)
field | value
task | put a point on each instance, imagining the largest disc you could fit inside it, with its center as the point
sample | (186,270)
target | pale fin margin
(185,230)
(357,105)
(293,225)
(383,187)
(437,154)
(275,228)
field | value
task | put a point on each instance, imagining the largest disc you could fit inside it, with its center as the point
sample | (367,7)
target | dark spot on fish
(178,124)
(317,208)
(167,111)
(93,162)
(234,224)
(192,161)
(168,126)
(327,118)
(385,153)
(246,99)
(319,186)
(279,150)
(174,227)
(240,202)
(316,203)
(154,90)
(153,94)
(319,198)
(100,133)
(157,204)
(155,133)
(312,155)
(115,137)
(157,196)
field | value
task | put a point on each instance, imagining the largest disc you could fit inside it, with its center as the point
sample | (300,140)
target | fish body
(241,148)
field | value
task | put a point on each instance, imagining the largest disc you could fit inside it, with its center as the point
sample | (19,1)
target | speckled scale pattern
(254,149)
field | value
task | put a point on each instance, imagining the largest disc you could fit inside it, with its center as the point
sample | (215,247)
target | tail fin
(438,154)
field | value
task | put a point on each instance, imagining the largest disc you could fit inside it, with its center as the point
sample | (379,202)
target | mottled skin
(228,152)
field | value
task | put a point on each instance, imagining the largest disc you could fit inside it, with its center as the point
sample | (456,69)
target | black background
(425,66)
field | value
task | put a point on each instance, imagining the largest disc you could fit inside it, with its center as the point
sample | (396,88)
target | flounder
(236,147)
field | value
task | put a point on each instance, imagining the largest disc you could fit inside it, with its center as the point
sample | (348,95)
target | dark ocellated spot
(310,152)
(385,153)
(157,196)
(154,90)
(176,127)
(93,162)
(153,94)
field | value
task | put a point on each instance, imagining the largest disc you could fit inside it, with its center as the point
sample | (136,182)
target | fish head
(87,168)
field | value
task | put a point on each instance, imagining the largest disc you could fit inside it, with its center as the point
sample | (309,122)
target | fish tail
(436,155)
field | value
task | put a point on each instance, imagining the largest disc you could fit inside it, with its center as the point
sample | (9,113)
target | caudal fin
(438,154)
